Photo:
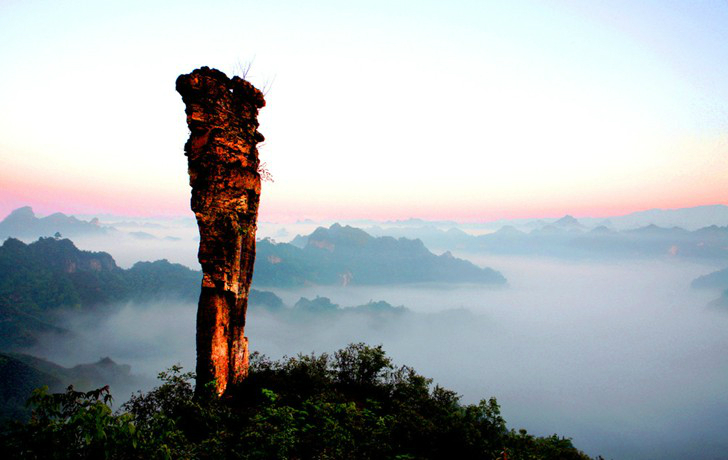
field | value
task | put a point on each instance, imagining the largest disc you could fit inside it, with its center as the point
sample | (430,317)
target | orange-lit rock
(222,115)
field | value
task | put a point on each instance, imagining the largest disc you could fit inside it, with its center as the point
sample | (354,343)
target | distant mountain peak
(107,361)
(602,229)
(651,227)
(23,223)
(25,211)
(344,255)
(326,238)
(567,221)
(508,230)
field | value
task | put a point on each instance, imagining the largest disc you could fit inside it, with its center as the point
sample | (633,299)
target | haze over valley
(621,349)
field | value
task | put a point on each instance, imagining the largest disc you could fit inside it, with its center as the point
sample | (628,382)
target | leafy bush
(353,405)
(72,425)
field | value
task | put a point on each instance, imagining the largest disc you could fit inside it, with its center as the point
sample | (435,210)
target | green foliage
(72,425)
(355,405)
(52,273)
(40,279)
(361,365)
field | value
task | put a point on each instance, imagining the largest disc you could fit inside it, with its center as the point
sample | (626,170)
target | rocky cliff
(223,166)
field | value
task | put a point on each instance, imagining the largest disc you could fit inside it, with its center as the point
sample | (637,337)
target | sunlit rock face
(223,165)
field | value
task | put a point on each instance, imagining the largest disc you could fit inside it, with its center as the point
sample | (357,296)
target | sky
(458,110)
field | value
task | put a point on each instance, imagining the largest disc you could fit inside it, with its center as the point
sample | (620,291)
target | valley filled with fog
(610,354)
(618,352)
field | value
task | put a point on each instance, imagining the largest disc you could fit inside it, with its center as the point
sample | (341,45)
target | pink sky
(90,199)
(470,111)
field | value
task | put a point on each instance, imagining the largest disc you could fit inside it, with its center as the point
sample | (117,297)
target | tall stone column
(222,115)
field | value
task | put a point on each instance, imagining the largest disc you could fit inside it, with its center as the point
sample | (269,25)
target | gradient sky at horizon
(461,110)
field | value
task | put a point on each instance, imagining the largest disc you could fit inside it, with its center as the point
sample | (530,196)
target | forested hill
(52,273)
(354,404)
(49,275)
(39,279)
(347,255)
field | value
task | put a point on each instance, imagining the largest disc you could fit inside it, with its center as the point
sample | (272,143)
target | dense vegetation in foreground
(355,404)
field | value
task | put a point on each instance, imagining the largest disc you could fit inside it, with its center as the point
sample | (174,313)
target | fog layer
(624,358)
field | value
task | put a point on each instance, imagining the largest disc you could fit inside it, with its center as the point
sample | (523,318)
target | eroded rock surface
(223,165)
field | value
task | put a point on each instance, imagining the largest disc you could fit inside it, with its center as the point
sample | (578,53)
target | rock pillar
(223,166)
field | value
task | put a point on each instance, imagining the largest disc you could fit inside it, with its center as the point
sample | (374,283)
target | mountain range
(40,279)
(23,223)
(570,238)
(346,255)
(691,218)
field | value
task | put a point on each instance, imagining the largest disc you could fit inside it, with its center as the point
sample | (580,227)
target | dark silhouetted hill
(347,255)
(41,279)
(353,404)
(20,374)
(715,280)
